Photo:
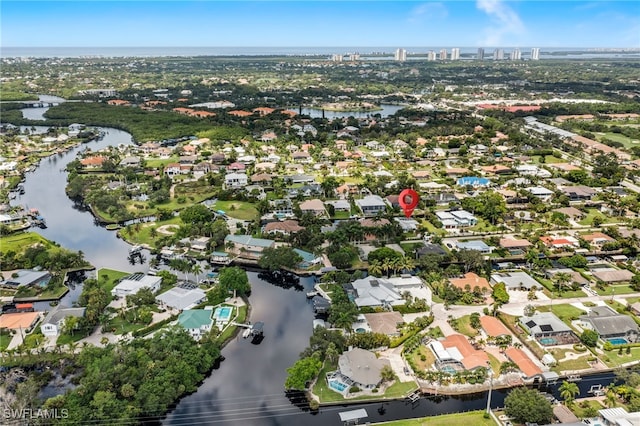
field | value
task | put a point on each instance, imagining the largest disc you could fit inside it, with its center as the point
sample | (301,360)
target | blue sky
(398,23)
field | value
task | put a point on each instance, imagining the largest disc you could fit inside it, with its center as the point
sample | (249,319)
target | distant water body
(416,52)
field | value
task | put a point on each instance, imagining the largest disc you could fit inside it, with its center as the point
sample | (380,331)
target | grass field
(591,213)
(238,209)
(19,242)
(565,312)
(464,326)
(614,359)
(475,418)
(108,278)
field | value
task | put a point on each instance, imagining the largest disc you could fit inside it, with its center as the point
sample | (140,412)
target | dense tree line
(137,379)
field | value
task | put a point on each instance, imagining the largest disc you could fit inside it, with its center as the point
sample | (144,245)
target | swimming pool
(618,341)
(337,386)
(222,313)
(448,369)
(548,341)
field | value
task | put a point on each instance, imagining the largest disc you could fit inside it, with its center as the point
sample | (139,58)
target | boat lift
(253,330)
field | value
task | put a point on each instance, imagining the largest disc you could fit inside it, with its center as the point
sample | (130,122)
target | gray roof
(27,277)
(361,366)
(61,312)
(371,201)
(374,291)
(181,298)
(515,280)
(248,240)
(607,322)
(613,275)
(544,322)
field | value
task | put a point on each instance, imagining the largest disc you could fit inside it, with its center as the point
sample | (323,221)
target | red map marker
(408,200)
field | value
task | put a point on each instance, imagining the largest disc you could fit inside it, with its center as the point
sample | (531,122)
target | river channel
(247,387)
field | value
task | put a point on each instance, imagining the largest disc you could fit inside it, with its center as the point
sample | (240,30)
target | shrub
(354,389)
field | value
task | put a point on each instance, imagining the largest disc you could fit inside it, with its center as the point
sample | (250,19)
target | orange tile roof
(493,326)
(472,358)
(18,320)
(240,113)
(263,110)
(472,279)
(92,161)
(118,102)
(524,363)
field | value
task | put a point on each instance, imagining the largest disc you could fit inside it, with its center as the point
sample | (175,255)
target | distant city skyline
(480,23)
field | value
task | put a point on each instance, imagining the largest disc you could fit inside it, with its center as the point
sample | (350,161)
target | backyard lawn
(614,359)
(20,241)
(475,418)
(108,278)
(237,209)
(565,312)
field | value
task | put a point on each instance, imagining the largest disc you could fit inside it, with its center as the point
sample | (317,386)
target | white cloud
(505,22)
(427,11)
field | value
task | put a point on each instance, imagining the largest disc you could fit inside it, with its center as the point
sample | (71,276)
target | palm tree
(407,263)
(562,279)
(387,265)
(196,269)
(569,391)
(375,268)
(611,399)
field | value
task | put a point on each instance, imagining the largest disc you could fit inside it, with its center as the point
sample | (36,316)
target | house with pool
(611,326)
(357,367)
(548,329)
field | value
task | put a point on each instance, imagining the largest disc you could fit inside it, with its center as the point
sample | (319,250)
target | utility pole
(490,387)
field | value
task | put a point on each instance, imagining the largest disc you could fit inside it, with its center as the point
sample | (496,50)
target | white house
(53,323)
(235,180)
(134,283)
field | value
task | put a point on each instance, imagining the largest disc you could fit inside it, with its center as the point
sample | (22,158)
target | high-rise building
(401,55)
(336,57)
(455,54)
(480,55)
(498,54)
(535,54)
(443,54)
(431,55)
(354,57)
(515,55)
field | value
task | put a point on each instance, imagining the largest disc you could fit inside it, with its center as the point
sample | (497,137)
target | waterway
(247,388)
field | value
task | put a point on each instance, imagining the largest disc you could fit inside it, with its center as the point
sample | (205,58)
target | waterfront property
(373,292)
(357,367)
(28,277)
(197,322)
(222,314)
(246,246)
(518,280)
(134,283)
(455,353)
(23,321)
(527,367)
(181,298)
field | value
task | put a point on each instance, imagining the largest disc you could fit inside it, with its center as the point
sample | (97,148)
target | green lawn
(565,312)
(548,159)
(142,234)
(160,163)
(19,242)
(238,209)
(591,213)
(5,339)
(615,290)
(416,357)
(612,359)
(228,332)
(108,278)
(121,326)
(579,411)
(616,137)
(464,326)
(472,418)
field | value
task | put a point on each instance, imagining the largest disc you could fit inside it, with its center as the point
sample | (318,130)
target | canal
(247,387)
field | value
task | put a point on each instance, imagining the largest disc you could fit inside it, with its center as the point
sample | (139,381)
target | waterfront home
(610,325)
(527,367)
(181,297)
(455,353)
(514,246)
(578,193)
(246,246)
(375,292)
(476,245)
(134,283)
(360,368)
(493,327)
(371,205)
(540,192)
(456,219)
(308,259)
(27,277)
(197,322)
(54,323)
(597,239)
(473,181)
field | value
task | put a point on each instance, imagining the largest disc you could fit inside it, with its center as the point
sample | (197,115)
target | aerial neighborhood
(518,266)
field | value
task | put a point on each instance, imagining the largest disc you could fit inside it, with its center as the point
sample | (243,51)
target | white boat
(135,249)
(246,333)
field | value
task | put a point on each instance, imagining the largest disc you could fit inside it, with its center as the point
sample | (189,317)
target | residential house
(597,239)
(472,280)
(314,207)
(371,205)
(541,192)
(455,352)
(578,193)
(28,277)
(473,181)
(308,259)
(375,292)
(514,246)
(235,180)
(477,245)
(456,219)
(610,275)
(197,322)
(286,227)
(527,367)
(493,327)
(610,325)
(518,280)
(181,298)
(134,283)
(360,368)
(53,323)
(246,246)
(385,323)
(546,324)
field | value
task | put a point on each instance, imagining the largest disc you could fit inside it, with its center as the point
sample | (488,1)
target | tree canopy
(277,258)
(528,405)
(235,279)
